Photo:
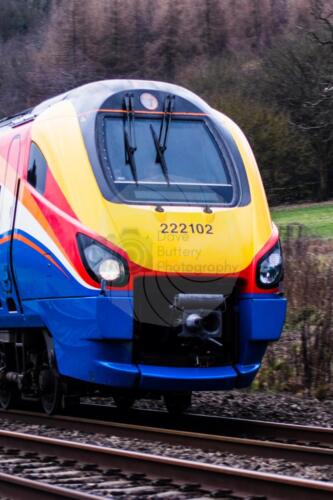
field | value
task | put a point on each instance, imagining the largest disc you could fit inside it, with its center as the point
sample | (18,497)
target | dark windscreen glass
(196,168)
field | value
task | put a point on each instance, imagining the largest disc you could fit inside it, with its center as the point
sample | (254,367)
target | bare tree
(300,79)
(322,12)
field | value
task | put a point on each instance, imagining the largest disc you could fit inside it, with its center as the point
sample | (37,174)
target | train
(138,257)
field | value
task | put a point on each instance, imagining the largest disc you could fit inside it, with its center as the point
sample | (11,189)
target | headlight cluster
(270,268)
(101,262)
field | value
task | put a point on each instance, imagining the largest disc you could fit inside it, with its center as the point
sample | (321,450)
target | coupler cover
(200,315)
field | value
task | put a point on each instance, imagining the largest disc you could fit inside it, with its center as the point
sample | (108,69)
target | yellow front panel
(238,233)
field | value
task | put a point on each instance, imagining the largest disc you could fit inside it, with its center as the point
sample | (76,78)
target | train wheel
(50,391)
(9,393)
(177,402)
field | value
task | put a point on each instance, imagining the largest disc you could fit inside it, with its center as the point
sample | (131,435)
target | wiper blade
(160,155)
(129,136)
(169,104)
(130,159)
(161,141)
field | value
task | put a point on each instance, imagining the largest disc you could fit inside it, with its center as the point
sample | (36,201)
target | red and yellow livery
(137,250)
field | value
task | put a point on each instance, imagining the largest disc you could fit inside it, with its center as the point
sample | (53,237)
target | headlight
(101,262)
(110,269)
(270,268)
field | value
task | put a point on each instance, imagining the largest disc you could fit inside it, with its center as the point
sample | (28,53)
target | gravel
(258,406)
(254,406)
(242,403)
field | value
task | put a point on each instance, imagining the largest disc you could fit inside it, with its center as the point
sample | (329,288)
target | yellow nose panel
(180,239)
(176,241)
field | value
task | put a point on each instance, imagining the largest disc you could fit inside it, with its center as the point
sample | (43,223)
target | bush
(302,360)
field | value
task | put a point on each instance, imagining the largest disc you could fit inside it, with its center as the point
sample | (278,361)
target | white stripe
(27,223)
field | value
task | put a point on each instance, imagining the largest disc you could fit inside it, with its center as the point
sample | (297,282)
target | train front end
(179,262)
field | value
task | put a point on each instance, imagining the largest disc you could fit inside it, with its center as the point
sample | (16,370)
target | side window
(37,169)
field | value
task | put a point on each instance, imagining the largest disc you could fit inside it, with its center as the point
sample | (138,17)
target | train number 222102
(186,228)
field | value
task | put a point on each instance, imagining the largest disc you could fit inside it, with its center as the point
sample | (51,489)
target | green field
(318,218)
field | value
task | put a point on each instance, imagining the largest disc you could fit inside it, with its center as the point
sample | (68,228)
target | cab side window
(37,169)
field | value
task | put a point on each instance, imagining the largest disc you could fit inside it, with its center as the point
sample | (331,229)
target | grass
(317,218)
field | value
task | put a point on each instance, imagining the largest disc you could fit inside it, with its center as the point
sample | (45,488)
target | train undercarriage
(28,374)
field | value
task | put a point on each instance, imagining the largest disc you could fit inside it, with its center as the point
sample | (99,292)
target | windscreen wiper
(160,155)
(169,105)
(161,141)
(129,135)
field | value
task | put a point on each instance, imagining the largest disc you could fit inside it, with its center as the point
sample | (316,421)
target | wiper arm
(160,155)
(169,104)
(130,159)
(161,141)
(129,136)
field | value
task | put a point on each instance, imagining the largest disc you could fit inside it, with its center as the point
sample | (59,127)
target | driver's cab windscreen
(188,168)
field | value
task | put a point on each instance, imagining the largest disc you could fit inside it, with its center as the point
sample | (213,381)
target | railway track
(15,487)
(211,476)
(320,454)
(240,481)
(216,425)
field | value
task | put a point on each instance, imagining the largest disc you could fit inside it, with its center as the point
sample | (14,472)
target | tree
(213,28)
(300,79)
(18,16)
(166,50)
(256,25)
(277,146)
(59,61)
(279,15)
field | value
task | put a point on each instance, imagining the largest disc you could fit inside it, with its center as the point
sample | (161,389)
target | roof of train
(93,95)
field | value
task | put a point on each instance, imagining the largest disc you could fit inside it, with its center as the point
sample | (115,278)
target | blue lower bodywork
(93,342)
(93,333)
